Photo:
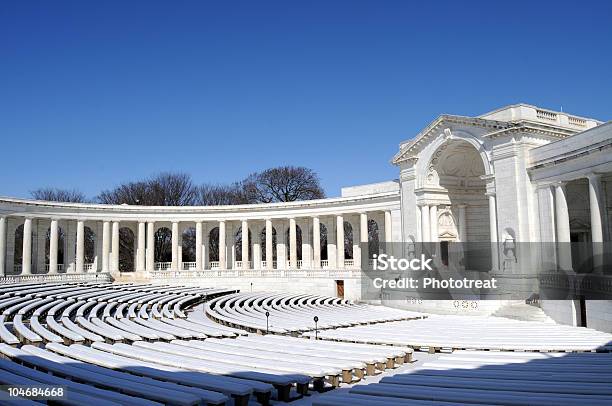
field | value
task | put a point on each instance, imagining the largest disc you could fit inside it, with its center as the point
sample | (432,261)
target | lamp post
(267,323)
(316,320)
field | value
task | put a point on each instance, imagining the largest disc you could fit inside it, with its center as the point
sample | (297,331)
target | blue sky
(96,93)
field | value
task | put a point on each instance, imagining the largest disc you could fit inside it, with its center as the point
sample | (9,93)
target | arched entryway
(455,207)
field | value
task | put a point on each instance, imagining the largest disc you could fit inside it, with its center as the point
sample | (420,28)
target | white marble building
(517,174)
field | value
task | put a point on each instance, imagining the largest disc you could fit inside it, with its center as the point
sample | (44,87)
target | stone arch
(213,245)
(163,245)
(89,245)
(188,244)
(373,237)
(349,239)
(323,234)
(126,250)
(427,156)
(456,173)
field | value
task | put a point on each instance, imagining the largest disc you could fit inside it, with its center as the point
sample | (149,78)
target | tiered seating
(295,313)
(126,339)
(139,344)
(484,377)
(470,332)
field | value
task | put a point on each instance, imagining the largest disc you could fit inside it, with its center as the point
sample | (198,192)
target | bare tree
(165,189)
(51,194)
(283,184)
(216,195)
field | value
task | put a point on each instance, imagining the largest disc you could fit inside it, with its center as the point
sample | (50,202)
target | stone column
(304,225)
(2,246)
(493,232)
(115,248)
(596,210)
(53,240)
(141,250)
(205,247)
(150,246)
(105,245)
(70,243)
(316,243)
(433,218)
(331,243)
(563,227)
(340,241)
(425,223)
(419,230)
(292,244)
(245,244)
(26,258)
(256,247)
(80,247)
(388,227)
(281,245)
(175,246)
(198,246)
(462,223)
(222,247)
(269,245)
(363,239)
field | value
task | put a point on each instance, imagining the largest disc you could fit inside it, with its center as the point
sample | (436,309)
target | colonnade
(144,243)
(562,221)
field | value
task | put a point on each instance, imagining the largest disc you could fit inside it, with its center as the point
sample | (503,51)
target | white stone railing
(163,266)
(324,263)
(349,263)
(239,264)
(546,115)
(89,266)
(214,264)
(258,273)
(300,262)
(188,266)
(579,122)
(63,277)
(60,267)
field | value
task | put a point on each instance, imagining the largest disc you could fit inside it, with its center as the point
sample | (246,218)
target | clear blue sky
(96,93)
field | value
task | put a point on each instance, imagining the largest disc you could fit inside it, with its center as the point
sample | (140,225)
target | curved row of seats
(85,313)
(288,314)
(117,343)
(438,332)
(495,378)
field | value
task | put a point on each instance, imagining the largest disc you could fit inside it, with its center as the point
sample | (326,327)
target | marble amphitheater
(269,306)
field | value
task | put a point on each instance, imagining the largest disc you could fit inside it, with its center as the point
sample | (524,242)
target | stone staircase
(523,311)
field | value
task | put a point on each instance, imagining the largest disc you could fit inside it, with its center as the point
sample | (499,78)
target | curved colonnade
(50,238)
